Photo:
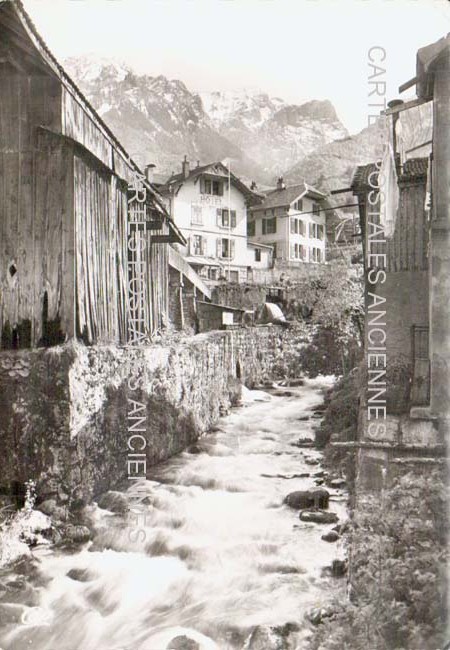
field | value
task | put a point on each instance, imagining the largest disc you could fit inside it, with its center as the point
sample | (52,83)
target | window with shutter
(251,228)
(196,215)
(196,245)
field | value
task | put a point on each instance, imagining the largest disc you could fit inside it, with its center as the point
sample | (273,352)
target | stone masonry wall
(66,411)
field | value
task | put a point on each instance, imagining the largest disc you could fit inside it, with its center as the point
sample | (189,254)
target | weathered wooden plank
(68,262)
(77,124)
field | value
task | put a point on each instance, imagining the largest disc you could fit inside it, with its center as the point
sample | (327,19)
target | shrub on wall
(398,571)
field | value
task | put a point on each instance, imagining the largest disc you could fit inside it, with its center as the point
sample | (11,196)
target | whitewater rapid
(221,554)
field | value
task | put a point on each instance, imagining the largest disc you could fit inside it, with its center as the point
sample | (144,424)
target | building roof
(366,176)
(14,10)
(284,197)
(214,169)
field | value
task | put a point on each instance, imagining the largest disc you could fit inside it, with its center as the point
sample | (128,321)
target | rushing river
(221,554)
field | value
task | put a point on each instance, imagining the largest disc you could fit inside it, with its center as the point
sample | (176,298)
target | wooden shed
(83,235)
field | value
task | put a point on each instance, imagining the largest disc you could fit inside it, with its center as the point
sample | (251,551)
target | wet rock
(283,393)
(10,614)
(317,615)
(303,418)
(80,575)
(338,568)
(183,643)
(77,534)
(319,474)
(264,637)
(331,536)
(19,591)
(114,502)
(51,508)
(286,476)
(319,481)
(303,442)
(319,516)
(316,498)
(312,461)
(194,449)
(294,383)
(337,483)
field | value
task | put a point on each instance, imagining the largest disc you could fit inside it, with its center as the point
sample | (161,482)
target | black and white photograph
(224,324)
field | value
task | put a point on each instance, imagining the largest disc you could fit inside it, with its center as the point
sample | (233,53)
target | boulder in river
(319,516)
(303,442)
(337,483)
(81,575)
(113,501)
(296,382)
(302,499)
(264,637)
(316,615)
(77,534)
(331,536)
(53,510)
(311,461)
(183,643)
(339,568)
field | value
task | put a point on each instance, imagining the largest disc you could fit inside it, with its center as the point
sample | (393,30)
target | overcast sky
(294,49)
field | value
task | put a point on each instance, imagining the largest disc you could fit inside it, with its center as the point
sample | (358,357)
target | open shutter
(219,216)
(292,226)
(219,247)
(202,186)
(292,252)
(232,248)
(233,218)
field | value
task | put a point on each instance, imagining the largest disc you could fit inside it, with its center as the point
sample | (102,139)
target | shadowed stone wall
(67,412)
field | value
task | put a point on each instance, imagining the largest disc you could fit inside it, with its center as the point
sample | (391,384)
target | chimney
(185,167)
(149,172)
(280,184)
(198,163)
(253,186)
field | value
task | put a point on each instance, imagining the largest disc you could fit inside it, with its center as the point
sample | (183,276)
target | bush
(398,571)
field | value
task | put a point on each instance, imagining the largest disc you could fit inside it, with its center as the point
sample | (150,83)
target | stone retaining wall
(67,413)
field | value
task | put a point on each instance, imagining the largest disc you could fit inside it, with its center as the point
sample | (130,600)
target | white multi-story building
(291,220)
(209,206)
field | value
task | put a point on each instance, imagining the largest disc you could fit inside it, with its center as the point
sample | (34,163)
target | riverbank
(397,538)
(224,557)
(69,413)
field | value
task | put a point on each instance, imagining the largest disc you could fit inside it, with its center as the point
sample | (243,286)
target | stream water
(222,554)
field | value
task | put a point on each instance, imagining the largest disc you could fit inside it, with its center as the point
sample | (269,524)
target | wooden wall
(64,222)
(36,236)
(100,226)
(408,248)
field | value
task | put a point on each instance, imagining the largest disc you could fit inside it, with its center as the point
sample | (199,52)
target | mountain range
(160,120)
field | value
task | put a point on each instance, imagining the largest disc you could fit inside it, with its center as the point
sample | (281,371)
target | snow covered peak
(91,68)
